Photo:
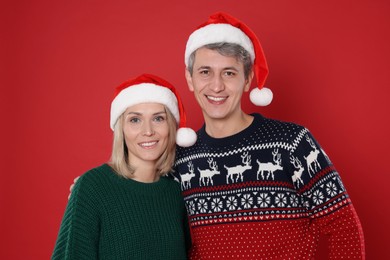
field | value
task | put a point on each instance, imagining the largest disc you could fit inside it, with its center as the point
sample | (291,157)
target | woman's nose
(148,129)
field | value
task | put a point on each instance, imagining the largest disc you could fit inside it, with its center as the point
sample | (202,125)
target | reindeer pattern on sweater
(272,173)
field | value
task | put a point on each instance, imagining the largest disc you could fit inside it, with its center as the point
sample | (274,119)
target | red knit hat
(222,27)
(149,88)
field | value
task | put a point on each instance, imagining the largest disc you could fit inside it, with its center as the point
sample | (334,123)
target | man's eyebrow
(231,68)
(226,68)
(203,67)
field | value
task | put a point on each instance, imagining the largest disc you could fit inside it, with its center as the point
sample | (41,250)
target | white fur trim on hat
(214,33)
(143,93)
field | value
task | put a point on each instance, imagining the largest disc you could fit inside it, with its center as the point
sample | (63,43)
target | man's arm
(328,203)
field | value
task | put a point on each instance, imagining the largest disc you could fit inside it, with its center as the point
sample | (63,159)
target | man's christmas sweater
(268,192)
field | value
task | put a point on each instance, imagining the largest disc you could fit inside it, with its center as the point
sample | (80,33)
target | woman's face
(146,132)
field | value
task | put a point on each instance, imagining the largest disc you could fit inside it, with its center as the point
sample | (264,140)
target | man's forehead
(207,58)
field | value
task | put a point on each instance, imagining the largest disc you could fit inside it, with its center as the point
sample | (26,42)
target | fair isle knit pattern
(268,192)
(109,217)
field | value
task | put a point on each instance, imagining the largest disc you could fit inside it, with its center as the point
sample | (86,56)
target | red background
(60,61)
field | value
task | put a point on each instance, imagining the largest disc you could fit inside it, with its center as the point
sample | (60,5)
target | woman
(127,209)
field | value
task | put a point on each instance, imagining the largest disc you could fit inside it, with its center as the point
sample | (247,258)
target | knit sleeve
(187,231)
(79,231)
(326,200)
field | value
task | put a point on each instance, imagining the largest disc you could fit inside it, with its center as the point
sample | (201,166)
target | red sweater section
(275,239)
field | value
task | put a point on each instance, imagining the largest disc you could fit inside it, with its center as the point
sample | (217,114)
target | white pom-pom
(185,137)
(261,97)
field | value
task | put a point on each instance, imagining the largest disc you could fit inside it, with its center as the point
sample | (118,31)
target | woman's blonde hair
(120,158)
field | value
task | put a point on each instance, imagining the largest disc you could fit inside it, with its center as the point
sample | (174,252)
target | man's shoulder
(273,122)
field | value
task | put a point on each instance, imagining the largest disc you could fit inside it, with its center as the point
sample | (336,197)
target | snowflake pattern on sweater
(267,192)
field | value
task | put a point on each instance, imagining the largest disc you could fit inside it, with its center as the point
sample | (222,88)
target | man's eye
(204,72)
(230,73)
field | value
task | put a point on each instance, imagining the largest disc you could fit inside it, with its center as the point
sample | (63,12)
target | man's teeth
(216,98)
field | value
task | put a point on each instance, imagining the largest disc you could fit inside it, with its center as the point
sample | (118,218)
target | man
(255,187)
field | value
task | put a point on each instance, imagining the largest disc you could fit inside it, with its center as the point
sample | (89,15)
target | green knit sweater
(110,217)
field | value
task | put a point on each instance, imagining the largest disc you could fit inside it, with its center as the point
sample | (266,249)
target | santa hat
(149,88)
(222,27)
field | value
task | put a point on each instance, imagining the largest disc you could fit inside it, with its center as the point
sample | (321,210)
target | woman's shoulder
(96,172)
(171,183)
(170,180)
(94,178)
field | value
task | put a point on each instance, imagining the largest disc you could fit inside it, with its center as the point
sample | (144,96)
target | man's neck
(220,128)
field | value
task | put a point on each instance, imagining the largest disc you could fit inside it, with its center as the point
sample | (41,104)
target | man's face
(218,83)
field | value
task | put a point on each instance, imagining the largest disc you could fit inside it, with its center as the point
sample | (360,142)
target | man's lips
(215,99)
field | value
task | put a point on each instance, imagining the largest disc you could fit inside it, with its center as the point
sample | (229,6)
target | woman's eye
(159,118)
(134,120)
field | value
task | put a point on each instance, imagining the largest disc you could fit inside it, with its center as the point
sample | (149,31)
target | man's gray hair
(229,50)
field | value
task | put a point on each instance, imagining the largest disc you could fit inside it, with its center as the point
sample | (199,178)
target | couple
(253,187)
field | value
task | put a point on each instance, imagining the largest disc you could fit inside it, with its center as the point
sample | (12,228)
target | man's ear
(189,80)
(248,81)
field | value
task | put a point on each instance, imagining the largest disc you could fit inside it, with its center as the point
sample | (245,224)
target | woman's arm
(79,232)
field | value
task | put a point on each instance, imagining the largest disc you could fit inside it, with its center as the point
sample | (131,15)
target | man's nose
(217,84)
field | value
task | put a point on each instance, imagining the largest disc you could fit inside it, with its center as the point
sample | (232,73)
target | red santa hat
(149,88)
(222,27)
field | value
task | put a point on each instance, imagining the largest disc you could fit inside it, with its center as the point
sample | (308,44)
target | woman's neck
(146,173)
